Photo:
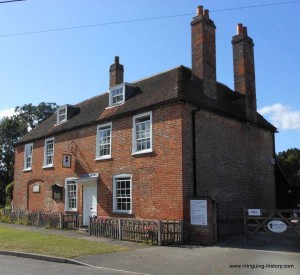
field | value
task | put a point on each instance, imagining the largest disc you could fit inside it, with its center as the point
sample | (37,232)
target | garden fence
(40,219)
(155,232)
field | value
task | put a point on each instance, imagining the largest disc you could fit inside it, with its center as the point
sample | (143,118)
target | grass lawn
(60,246)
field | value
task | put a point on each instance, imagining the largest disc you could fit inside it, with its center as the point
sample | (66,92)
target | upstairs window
(61,114)
(28,156)
(48,152)
(142,133)
(117,95)
(103,149)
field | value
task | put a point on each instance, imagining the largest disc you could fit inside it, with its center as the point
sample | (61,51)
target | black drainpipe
(194,150)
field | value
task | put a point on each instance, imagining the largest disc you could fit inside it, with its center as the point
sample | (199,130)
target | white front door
(89,203)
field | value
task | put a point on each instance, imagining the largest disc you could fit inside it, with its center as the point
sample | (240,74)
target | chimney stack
(116,73)
(204,51)
(244,72)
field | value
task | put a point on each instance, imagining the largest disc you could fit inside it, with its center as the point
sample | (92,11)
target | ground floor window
(122,194)
(71,195)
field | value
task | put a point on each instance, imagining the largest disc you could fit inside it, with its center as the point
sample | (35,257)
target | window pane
(123,194)
(49,152)
(72,195)
(104,140)
(143,133)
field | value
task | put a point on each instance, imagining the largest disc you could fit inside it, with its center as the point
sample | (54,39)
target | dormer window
(117,95)
(65,112)
(62,114)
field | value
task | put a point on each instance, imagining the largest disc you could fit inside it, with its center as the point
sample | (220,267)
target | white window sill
(116,105)
(48,166)
(59,123)
(27,169)
(142,152)
(104,157)
(122,212)
(71,210)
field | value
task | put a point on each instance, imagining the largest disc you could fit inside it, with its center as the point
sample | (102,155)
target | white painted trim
(57,115)
(45,149)
(122,85)
(25,157)
(97,141)
(66,195)
(120,176)
(134,145)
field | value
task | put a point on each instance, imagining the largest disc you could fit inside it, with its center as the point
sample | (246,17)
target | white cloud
(282,116)
(7,112)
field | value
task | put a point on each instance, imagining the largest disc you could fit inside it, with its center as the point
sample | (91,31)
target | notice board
(198,212)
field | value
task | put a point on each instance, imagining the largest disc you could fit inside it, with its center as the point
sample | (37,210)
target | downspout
(194,150)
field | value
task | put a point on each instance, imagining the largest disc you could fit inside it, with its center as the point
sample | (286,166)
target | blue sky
(71,66)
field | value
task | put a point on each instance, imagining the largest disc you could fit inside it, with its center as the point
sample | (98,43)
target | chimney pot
(245,32)
(206,13)
(199,10)
(116,60)
(239,29)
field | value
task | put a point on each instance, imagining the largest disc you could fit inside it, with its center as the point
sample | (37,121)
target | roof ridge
(145,78)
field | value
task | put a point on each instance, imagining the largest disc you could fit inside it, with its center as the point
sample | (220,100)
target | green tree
(290,159)
(34,115)
(11,130)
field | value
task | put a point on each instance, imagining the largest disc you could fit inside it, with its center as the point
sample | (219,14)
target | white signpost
(198,212)
(254,212)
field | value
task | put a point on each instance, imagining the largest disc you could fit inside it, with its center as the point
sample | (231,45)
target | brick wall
(233,167)
(157,177)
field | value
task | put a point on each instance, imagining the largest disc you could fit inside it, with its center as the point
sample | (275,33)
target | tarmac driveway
(200,260)
(231,256)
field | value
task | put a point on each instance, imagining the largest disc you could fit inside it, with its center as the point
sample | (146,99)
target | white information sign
(254,212)
(36,188)
(198,212)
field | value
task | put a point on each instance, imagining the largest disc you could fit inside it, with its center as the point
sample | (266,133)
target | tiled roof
(171,85)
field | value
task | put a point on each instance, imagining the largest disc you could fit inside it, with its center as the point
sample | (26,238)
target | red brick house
(145,149)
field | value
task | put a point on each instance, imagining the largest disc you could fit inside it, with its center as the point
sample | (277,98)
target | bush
(9,194)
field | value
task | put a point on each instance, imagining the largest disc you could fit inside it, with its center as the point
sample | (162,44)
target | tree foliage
(290,160)
(11,129)
(34,115)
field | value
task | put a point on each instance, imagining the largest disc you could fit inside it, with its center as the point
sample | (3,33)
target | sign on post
(254,212)
(198,212)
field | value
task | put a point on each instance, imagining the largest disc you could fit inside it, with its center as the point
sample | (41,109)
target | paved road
(199,260)
(10,265)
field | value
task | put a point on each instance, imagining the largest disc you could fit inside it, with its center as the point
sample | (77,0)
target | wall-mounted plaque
(57,190)
(66,161)
(36,188)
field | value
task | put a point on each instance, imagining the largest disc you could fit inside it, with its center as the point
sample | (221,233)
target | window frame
(45,153)
(123,86)
(58,121)
(134,138)
(106,125)
(115,178)
(25,157)
(67,193)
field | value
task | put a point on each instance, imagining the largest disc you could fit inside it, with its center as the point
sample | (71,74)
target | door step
(83,228)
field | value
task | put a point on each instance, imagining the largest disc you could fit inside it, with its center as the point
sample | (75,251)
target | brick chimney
(204,51)
(116,73)
(244,72)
